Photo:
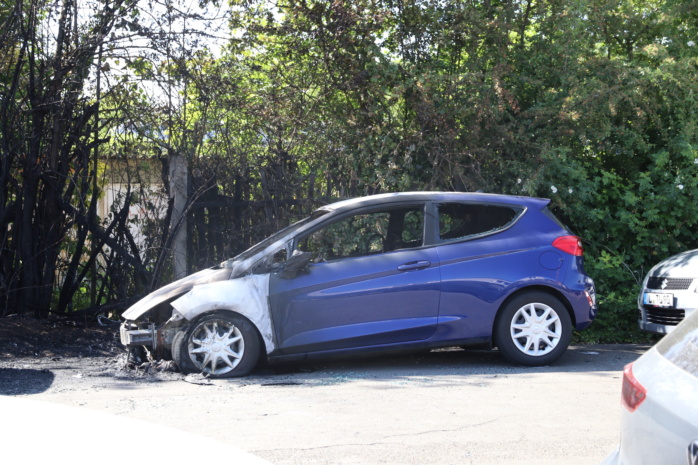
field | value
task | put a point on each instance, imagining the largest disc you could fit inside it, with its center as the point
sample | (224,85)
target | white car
(669,293)
(660,403)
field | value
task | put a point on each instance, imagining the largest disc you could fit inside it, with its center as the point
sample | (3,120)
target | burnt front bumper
(131,335)
(148,335)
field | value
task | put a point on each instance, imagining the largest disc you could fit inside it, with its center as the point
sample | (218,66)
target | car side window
(465,221)
(405,230)
(366,234)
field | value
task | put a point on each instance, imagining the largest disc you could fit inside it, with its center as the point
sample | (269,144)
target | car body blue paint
(452,295)
(357,301)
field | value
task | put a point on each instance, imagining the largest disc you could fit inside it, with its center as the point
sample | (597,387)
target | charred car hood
(174,290)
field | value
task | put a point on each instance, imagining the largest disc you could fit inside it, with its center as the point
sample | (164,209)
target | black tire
(180,355)
(219,345)
(533,329)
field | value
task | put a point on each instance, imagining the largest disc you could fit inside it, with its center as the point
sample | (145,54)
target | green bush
(617,290)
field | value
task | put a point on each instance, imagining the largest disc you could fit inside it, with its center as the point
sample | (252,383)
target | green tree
(587,102)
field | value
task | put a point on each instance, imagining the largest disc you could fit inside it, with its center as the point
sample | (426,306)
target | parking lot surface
(443,407)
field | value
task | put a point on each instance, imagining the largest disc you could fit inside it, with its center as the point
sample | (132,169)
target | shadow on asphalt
(18,381)
(457,361)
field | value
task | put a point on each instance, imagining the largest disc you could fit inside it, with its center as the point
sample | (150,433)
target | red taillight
(634,393)
(570,244)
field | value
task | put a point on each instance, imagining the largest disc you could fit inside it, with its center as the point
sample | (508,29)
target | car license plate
(659,300)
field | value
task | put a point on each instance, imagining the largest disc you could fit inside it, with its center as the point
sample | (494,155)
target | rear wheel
(217,345)
(533,329)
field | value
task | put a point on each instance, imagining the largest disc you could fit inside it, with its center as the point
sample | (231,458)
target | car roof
(382,199)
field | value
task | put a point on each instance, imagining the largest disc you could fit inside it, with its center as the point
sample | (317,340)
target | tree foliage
(590,103)
(47,136)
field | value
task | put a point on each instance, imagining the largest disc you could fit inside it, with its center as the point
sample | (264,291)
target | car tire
(180,355)
(533,329)
(219,345)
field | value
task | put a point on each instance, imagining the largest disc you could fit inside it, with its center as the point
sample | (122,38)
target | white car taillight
(633,393)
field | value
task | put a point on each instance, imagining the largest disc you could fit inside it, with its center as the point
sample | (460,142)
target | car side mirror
(296,264)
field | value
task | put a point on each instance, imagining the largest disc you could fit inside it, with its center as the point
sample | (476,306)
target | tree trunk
(179,177)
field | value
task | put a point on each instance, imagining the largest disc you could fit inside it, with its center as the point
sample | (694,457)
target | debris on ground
(78,351)
(197,378)
(24,336)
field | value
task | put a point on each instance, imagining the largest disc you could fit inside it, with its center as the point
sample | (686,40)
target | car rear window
(680,346)
(459,221)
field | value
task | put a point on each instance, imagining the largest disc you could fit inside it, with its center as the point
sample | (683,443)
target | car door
(479,259)
(371,282)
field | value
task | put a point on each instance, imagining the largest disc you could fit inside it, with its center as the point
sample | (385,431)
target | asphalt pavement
(443,407)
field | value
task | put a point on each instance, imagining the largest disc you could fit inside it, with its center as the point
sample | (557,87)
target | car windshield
(273,238)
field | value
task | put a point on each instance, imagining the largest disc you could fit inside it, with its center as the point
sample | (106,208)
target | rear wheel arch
(533,327)
(549,290)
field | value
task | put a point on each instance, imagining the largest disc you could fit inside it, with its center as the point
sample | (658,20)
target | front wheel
(219,346)
(533,329)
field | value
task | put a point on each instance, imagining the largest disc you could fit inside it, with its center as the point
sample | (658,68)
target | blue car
(388,272)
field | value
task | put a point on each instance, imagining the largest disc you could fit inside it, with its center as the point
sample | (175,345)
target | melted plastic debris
(198,378)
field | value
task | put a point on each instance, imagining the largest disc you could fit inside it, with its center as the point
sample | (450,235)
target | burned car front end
(152,322)
(204,321)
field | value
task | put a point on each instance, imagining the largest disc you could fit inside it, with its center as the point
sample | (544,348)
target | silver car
(660,402)
(669,293)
